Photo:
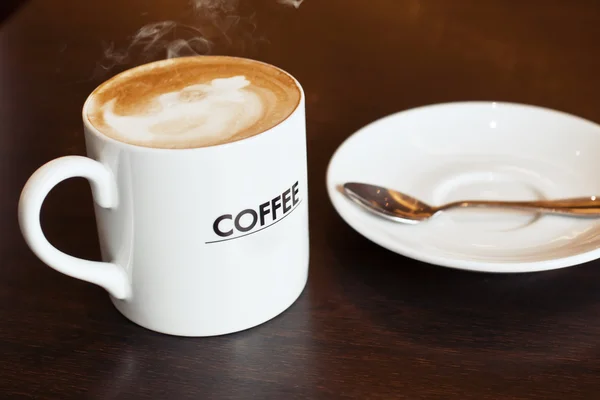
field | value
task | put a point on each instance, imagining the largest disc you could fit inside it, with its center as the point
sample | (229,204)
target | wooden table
(367,327)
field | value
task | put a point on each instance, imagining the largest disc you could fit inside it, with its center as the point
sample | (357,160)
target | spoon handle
(584,206)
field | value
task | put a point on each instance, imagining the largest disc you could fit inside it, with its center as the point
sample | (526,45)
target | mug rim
(136,147)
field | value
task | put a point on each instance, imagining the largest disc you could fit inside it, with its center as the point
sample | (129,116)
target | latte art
(200,113)
(193,103)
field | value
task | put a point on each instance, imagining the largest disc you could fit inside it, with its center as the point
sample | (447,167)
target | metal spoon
(401,207)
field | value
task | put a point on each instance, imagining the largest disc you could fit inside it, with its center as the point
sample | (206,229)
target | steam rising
(214,22)
(226,6)
(293,3)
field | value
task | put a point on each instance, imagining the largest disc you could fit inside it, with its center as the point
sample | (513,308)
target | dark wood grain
(371,324)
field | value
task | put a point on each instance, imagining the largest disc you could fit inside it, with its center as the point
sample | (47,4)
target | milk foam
(201,113)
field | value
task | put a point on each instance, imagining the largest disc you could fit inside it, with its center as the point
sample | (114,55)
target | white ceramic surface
(157,211)
(477,150)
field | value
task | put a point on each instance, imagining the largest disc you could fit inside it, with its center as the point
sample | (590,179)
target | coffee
(192,102)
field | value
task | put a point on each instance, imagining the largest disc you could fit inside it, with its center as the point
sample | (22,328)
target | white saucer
(477,150)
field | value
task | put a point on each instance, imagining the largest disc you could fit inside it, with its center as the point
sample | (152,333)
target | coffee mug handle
(111,277)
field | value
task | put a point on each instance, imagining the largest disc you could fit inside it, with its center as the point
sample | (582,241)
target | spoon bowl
(389,203)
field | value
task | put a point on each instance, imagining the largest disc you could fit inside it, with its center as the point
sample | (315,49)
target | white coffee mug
(194,242)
